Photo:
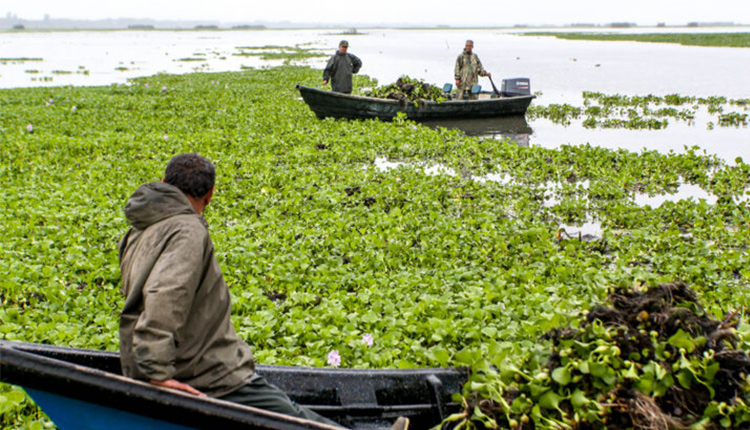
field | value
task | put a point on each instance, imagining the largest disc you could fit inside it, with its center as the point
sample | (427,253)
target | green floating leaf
(550,400)
(578,398)
(685,378)
(561,375)
(681,339)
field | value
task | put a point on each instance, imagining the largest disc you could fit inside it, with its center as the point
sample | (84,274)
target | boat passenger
(468,68)
(340,68)
(175,326)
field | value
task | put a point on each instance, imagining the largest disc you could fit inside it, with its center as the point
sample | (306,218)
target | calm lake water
(560,69)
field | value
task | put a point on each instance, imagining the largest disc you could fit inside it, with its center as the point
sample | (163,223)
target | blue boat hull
(72,414)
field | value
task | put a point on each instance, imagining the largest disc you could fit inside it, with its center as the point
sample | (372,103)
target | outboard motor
(515,87)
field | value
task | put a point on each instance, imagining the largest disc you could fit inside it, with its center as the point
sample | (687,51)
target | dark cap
(344,43)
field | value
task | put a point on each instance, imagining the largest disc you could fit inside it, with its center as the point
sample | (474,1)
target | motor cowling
(515,87)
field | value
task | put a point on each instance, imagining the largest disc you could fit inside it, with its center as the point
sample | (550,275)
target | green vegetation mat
(323,250)
(275,52)
(732,40)
(19,60)
(645,112)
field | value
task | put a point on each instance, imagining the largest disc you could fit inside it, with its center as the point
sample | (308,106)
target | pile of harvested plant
(407,89)
(651,360)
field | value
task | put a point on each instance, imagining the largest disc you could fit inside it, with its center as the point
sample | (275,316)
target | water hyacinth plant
(648,112)
(321,246)
(648,359)
(334,359)
(367,339)
(407,89)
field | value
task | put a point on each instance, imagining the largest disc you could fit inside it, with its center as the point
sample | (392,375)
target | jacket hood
(154,202)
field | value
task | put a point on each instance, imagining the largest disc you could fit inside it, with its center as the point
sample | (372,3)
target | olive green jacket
(176,320)
(468,69)
(339,70)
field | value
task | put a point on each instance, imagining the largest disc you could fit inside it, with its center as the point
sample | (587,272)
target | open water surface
(560,70)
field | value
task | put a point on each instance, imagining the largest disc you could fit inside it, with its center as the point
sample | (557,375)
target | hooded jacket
(176,320)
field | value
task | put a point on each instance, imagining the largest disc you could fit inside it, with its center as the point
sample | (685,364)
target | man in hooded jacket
(340,68)
(175,327)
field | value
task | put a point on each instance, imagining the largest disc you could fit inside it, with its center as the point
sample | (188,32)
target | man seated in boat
(467,71)
(175,327)
(340,68)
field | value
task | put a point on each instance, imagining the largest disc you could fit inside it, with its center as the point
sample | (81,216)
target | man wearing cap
(340,68)
(468,68)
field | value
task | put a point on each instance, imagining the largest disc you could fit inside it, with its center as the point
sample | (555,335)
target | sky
(394,12)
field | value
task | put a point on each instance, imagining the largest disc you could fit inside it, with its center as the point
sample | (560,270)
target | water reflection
(514,128)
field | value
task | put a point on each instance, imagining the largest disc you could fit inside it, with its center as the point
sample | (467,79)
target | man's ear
(209,195)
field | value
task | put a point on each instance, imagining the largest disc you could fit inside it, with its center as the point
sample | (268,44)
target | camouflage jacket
(468,69)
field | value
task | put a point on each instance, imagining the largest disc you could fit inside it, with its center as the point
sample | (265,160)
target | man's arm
(329,70)
(167,299)
(457,71)
(177,385)
(356,63)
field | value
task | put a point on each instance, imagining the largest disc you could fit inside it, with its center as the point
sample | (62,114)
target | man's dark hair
(192,174)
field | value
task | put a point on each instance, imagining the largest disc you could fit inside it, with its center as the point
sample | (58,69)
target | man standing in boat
(340,68)
(468,68)
(175,327)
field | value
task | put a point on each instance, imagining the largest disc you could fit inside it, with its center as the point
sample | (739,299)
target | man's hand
(458,82)
(325,83)
(489,75)
(177,385)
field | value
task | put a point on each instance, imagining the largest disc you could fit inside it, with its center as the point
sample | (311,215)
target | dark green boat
(327,104)
(83,389)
